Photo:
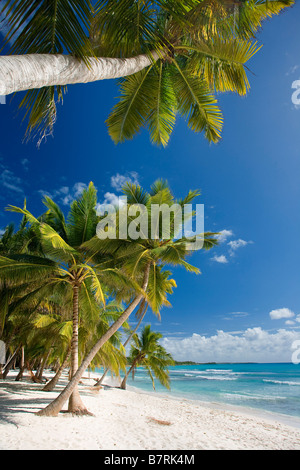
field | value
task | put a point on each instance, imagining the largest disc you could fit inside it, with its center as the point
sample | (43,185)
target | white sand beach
(132,420)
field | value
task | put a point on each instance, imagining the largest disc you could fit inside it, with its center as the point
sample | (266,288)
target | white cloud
(234,315)
(10,181)
(25,163)
(279,313)
(65,195)
(117,181)
(251,345)
(292,70)
(78,189)
(223,235)
(220,259)
(236,244)
(110,199)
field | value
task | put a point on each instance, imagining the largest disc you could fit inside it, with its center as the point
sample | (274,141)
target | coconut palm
(148,353)
(184,51)
(63,268)
(138,259)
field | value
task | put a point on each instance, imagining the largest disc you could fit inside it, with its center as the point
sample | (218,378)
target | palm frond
(23,268)
(129,115)
(123,28)
(96,286)
(253,13)
(82,219)
(222,64)
(135,194)
(163,104)
(55,27)
(55,217)
(196,103)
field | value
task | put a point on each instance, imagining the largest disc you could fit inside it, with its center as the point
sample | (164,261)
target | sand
(132,420)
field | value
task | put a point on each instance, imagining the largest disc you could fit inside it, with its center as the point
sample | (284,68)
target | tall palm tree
(148,353)
(64,267)
(138,259)
(182,49)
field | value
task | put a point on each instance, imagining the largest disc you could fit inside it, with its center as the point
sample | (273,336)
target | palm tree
(148,353)
(138,259)
(63,268)
(160,285)
(181,49)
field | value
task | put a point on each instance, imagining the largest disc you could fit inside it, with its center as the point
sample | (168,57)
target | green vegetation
(148,353)
(66,293)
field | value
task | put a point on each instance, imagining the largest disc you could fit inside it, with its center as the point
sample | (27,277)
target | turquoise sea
(273,388)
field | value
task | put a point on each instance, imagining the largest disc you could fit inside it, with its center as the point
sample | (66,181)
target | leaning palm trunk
(9,365)
(43,364)
(53,382)
(97,385)
(55,407)
(30,71)
(124,381)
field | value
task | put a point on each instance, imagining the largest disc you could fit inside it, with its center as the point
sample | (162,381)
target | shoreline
(132,419)
(288,420)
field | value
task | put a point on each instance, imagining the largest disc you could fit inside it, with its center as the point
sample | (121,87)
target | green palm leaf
(22,268)
(252,13)
(123,28)
(222,64)
(96,286)
(196,102)
(55,26)
(55,217)
(82,219)
(162,116)
(130,113)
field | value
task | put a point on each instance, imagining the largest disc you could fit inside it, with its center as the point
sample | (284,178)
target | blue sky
(249,184)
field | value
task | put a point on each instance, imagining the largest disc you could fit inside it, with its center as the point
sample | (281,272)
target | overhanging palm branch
(123,28)
(43,27)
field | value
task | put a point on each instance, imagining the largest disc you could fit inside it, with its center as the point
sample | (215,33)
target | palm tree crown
(195,47)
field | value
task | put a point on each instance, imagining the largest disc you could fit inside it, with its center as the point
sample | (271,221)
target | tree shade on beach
(171,56)
(58,268)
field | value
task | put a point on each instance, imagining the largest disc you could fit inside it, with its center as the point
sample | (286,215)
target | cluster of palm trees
(66,294)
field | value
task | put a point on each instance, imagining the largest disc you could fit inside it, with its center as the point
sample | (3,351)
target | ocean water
(273,388)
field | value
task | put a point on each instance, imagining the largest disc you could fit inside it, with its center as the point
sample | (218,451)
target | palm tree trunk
(51,385)
(99,382)
(33,377)
(22,366)
(97,385)
(142,312)
(55,407)
(30,71)
(123,384)
(10,362)
(75,403)
(39,374)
